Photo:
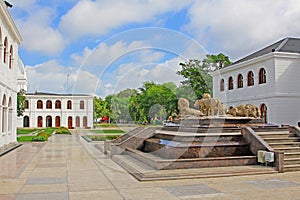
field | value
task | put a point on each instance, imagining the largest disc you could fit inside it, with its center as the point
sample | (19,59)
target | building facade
(268,78)
(11,74)
(55,110)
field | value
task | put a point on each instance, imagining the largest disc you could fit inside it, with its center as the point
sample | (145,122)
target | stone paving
(68,167)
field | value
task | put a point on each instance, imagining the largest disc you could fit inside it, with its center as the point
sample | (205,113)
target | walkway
(67,167)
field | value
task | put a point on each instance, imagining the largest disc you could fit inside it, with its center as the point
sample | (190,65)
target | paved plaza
(68,167)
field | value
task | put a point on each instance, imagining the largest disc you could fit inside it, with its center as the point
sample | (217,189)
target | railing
(257,143)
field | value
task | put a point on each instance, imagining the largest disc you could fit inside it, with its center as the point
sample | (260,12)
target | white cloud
(89,17)
(240,27)
(52,77)
(133,75)
(37,33)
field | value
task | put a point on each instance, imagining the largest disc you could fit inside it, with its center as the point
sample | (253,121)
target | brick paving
(68,167)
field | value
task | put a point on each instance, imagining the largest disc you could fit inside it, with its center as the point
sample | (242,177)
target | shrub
(102,138)
(44,134)
(38,139)
(62,130)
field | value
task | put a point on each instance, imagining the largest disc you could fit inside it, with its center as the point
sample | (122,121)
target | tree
(100,107)
(21,102)
(197,75)
(216,62)
(153,102)
(118,105)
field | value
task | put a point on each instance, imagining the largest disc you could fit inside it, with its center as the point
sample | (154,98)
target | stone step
(173,150)
(292,155)
(282,140)
(143,172)
(287,149)
(281,134)
(288,168)
(291,161)
(284,144)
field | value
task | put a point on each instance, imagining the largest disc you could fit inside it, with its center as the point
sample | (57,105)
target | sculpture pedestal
(218,121)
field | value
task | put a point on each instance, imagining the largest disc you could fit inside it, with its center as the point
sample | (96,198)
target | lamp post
(67,82)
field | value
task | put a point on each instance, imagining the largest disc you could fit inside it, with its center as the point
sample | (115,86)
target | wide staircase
(186,152)
(196,150)
(280,139)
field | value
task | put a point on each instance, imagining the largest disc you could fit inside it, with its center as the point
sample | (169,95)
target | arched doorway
(70,123)
(263,110)
(40,121)
(4,110)
(57,121)
(77,121)
(26,121)
(48,121)
(85,121)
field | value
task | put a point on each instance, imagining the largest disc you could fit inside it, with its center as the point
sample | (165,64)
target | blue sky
(101,47)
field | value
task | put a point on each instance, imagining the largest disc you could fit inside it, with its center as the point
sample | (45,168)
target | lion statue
(210,106)
(184,108)
(245,110)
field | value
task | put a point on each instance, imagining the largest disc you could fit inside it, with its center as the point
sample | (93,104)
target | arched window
(230,83)
(70,122)
(57,121)
(69,104)
(49,121)
(10,57)
(262,76)
(240,81)
(26,104)
(222,85)
(81,104)
(40,121)
(26,121)
(49,104)
(5,50)
(77,121)
(263,111)
(57,104)
(39,104)
(250,78)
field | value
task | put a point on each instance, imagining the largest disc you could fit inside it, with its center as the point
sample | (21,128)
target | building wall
(10,65)
(280,92)
(33,113)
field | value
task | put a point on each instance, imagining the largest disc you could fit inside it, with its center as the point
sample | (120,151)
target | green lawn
(25,138)
(42,136)
(109,131)
(25,131)
(49,130)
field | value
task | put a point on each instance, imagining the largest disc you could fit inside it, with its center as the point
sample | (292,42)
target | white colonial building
(268,78)
(11,75)
(55,110)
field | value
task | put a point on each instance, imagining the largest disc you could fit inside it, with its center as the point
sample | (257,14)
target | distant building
(55,110)
(11,75)
(268,78)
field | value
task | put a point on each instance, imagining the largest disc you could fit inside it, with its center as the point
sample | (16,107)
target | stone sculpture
(184,108)
(210,106)
(245,110)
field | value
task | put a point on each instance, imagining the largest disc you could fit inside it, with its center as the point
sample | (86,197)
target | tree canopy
(158,101)
(196,72)
(21,102)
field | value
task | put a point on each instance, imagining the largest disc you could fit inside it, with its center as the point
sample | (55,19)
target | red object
(105,119)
